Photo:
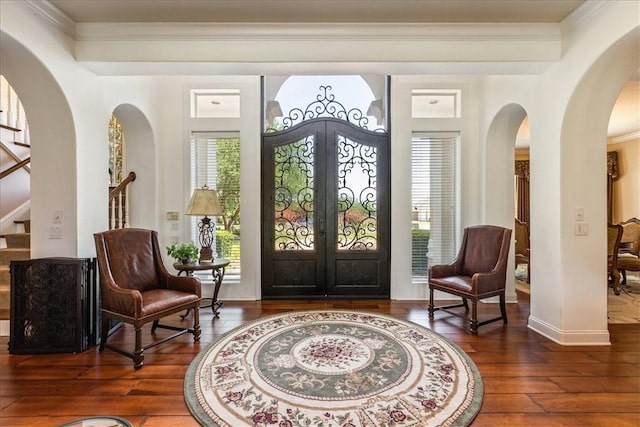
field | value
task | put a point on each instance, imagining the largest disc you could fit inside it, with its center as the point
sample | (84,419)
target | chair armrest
(123,301)
(486,282)
(187,284)
(439,271)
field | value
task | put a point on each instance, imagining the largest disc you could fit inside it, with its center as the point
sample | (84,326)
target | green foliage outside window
(419,250)
(228,181)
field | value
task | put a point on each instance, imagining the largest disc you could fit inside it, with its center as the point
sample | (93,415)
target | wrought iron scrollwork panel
(357,222)
(294,203)
(325,105)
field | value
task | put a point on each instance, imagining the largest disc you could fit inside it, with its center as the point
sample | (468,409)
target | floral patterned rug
(333,368)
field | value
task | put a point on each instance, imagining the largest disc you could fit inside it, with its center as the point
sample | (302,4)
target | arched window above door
(361,100)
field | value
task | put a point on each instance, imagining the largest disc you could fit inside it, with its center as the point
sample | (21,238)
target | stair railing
(20,163)
(118,203)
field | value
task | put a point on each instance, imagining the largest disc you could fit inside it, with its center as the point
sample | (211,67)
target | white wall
(568,105)
(63,102)
(573,103)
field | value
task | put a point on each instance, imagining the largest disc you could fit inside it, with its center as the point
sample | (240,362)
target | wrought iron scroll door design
(326,211)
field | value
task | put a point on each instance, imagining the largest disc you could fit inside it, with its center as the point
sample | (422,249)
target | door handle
(321,231)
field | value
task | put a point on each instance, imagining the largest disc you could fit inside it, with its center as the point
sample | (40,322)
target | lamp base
(206,254)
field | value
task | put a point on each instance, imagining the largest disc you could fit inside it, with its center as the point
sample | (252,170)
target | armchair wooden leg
(196,324)
(431,309)
(138,357)
(474,317)
(503,307)
(104,334)
(466,305)
(616,281)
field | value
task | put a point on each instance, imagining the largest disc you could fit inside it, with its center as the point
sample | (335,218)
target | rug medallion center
(332,354)
(331,360)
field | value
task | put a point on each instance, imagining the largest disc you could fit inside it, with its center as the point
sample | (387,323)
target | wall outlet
(55,232)
(582,228)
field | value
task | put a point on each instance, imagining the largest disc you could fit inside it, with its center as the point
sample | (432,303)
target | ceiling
(625,119)
(399,11)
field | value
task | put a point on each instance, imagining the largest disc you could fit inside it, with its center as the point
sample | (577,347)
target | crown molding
(52,14)
(586,10)
(145,31)
(626,137)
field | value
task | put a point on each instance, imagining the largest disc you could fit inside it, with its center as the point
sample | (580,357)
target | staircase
(18,247)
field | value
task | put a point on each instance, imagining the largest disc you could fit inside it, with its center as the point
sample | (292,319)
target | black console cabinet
(54,305)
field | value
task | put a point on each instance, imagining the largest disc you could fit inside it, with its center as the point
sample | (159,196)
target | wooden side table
(217,267)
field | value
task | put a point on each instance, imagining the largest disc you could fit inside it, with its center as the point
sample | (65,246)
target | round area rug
(332,368)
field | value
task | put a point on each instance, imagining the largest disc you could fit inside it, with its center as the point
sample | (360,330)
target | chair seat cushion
(158,300)
(629,263)
(457,283)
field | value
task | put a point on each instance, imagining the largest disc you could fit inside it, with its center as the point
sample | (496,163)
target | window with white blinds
(215,162)
(434,216)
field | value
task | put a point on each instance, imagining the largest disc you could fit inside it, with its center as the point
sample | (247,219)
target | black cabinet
(54,305)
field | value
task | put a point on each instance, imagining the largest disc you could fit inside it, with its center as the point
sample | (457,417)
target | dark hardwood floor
(528,379)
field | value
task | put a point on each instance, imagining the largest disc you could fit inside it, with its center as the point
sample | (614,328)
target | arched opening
(584,146)
(499,178)
(15,156)
(140,155)
(53,149)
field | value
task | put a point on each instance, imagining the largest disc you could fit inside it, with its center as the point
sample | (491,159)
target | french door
(325,211)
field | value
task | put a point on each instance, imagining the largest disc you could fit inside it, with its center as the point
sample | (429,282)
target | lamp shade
(204,202)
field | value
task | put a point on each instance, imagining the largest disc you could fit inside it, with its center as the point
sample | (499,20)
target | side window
(215,162)
(433,198)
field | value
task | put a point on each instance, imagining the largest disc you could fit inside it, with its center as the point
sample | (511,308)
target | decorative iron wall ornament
(325,105)
(357,196)
(294,196)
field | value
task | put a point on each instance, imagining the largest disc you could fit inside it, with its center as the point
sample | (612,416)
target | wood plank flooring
(528,379)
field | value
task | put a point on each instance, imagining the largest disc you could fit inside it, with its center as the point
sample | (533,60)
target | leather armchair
(478,272)
(136,288)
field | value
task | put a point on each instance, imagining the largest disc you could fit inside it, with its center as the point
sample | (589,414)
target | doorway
(326,211)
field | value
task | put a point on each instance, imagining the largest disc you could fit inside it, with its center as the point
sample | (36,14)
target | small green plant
(184,252)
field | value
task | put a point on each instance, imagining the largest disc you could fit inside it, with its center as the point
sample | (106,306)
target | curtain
(522,190)
(612,175)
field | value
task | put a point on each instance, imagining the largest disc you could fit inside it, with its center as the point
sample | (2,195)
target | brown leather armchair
(614,234)
(136,288)
(478,272)
(522,246)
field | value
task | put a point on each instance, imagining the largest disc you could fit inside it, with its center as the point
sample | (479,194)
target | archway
(499,194)
(584,139)
(53,148)
(140,153)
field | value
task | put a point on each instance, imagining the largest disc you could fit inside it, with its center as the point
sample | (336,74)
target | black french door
(325,211)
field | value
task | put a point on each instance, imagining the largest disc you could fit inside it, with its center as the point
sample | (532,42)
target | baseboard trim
(569,338)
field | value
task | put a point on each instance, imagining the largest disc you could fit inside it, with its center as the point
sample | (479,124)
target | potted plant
(183,252)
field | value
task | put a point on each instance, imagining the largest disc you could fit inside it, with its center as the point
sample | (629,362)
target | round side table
(217,267)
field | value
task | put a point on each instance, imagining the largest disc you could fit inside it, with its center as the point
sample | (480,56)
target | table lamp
(205,202)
